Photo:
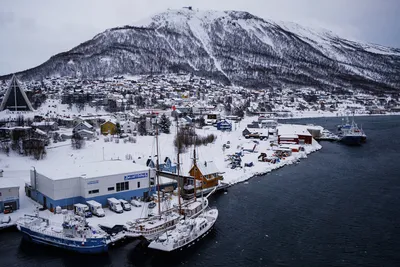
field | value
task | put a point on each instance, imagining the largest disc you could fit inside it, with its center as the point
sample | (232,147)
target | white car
(136,203)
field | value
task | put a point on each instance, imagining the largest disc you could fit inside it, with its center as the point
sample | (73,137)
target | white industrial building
(90,181)
(9,193)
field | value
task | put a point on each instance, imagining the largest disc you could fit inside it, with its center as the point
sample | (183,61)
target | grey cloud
(6,17)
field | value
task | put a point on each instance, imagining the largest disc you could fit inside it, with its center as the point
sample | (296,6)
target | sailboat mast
(157,172)
(178,169)
(195,167)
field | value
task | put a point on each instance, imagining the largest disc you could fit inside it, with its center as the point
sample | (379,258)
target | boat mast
(178,167)
(195,167)
(157,172)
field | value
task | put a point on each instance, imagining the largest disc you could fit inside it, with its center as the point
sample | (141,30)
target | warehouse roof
(92,169)
(8,183)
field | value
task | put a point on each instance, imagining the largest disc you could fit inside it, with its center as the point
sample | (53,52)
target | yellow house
(108,128)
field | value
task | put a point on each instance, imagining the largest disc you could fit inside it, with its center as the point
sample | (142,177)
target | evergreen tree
(118,130)
(164,124)
(142,126)
(77,141)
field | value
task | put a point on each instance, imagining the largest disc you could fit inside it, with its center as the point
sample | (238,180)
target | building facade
(9,194)
(92,181)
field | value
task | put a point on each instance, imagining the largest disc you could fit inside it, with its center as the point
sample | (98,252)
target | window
(95,191)
(111,188)
(122,186)
(138,184)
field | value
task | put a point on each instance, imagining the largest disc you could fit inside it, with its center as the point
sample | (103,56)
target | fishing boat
(351,134)
(186,233)
(73,234)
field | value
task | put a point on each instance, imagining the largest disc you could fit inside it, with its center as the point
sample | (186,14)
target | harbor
(236,167)
(279,148)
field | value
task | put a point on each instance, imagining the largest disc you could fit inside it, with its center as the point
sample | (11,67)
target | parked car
(125,204)
(152,205)
(136,203)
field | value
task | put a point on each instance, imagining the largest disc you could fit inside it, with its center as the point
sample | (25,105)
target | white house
(128,127)
(83,126)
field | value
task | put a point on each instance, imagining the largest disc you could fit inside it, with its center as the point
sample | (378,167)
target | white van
(82,210)
(115,205)
(125,204)
(95,208)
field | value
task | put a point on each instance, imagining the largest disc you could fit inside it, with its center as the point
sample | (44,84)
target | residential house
(187,121)
(66,122)
(181,111)
(86,134)
(224,125)
(46,125)
(167,166)
(108,127)
(83,125)
(207,173)
(128,127)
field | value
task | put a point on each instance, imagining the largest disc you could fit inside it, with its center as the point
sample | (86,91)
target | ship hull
(90,246)
(184,247)
(352,140)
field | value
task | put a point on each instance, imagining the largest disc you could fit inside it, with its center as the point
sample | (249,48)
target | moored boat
(186,233)
(74,234)
(351,134)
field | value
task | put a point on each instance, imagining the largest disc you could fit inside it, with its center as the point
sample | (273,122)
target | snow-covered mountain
(230,46)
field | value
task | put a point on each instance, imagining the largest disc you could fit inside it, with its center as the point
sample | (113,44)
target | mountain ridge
(234,47)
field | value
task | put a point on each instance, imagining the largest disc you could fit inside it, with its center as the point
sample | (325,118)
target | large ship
(73,234)
(350,134)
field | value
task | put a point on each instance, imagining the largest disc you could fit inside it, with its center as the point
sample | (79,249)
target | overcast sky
(33,30)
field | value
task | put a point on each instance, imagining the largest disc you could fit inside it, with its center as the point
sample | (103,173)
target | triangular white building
(15,98)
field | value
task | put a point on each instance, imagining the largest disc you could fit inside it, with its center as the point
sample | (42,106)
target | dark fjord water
(339,207)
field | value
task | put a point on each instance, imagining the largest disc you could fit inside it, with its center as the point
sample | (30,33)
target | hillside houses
(126,101)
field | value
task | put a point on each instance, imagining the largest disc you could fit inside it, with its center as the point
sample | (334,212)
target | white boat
(186,233)
(151,227)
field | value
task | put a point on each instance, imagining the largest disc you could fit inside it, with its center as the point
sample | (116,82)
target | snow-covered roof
(288,136)
(43,123)
(207,167)
(92,169)
(293,129)
(87,124)
(8,183)
(40,132)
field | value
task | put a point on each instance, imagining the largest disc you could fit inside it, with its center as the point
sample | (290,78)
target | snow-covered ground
(17,167)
